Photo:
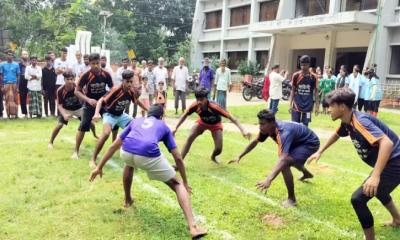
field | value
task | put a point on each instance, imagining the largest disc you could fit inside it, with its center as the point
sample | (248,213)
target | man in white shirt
(180,76)
(61,65)
(275,87)
(144,67)
(33,74)
(161,73)
(78,68)
(103,64)
(118,78)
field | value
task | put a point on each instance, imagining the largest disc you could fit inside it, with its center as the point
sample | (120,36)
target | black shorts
(62,120)
(375,105)
(87,116)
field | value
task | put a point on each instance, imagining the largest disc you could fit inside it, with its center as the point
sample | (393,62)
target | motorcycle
(193,83)
(251,89)
(286,89)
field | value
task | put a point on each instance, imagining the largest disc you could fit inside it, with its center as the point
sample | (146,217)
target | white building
(332,32)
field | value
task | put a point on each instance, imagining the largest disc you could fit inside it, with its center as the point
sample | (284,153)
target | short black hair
(341,96)
(85,56)
(94,56)
(125,59)
(33,57)
(47,58)
(305,59)
(201,92)
(50,52)
(69,74)
(103,57)
(156,110)
(275,66)
(266,115)
(134,59)
(127,74)
(64,49)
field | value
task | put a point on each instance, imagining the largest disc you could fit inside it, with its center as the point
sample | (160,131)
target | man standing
(86,64)
(304,91)
(275,87)
(103,64)
(124,67)
(33,74)
(78,68)
(151,80)
(49,78)
(378,146)
(61,65)
(23,83)
(180,76)
(161,73)
(206,78)
(91,87)
(223,83)
(9,85)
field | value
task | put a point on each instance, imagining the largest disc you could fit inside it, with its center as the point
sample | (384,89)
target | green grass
(46,195)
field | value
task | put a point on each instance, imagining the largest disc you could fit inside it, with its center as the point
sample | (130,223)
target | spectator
(78,68)
(375,95)
(33,74)
(144,96)
(275,87)
(361,95)
(9,85)
(342,80)
(61,65)
(23,83)
(49,78)
(206,78)
(161,73)
(137,79)
(103,64)
(151,80)
(180,76)
(52,56)
(354,82)
(86,63)
(325,86)
(161,95)
(223,83)
(124,67)
(144,67)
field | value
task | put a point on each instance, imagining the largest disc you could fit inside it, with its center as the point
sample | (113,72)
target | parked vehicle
(252,89)
(193,82)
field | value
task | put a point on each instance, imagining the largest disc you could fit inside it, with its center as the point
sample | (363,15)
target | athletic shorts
(301,117)
(87,115)
(76,113)
(117,121)
(211,127)
(301,153)
(157,168)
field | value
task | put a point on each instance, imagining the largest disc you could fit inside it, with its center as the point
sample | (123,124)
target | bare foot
(215,160)
(197,232)
(75,156)
(128,202)
(306,176)
(394,224)
(289,203)
(50,146)
(92,164)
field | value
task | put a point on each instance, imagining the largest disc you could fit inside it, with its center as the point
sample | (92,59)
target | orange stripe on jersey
(364,132)
(219,109)
(278,140)
(110,94)
(192,108)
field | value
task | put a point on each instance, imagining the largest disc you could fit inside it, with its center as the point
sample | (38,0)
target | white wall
(353,39)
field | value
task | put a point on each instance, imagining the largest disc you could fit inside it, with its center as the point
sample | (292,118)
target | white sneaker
(50,146)
(75,156)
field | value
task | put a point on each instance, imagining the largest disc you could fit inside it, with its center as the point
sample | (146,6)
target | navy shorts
(87,115)
(300,154)
(301,117)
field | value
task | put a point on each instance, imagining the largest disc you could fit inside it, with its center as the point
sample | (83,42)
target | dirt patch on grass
(320,168)
(272,220)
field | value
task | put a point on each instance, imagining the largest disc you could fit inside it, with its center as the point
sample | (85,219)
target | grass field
(46,195)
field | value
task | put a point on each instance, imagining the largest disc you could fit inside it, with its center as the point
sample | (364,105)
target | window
(359,5)
(213,19)
(211,55)
(395,61)
(268,10)
(235,58)
(262,59)
(306,8)
(240,16)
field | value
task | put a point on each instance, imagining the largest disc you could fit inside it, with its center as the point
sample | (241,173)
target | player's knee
(357,199)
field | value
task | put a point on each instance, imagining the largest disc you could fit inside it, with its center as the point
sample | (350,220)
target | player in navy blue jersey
(378,146)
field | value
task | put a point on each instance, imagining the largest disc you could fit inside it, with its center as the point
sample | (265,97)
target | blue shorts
(300,154)
(301,117)
(121,121)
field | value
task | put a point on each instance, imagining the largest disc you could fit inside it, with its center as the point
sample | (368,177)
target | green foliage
(183,50)
(247,68)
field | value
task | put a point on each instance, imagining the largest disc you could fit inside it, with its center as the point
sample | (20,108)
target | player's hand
(315,157)
(247,135)
(96,118)
(174,132)
(92,102)
(370,187)
(263,185)
(94,174)
(188,188)
(237,160)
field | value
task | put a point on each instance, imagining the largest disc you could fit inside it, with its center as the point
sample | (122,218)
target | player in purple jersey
(378,146)
(296,143)
(139,142)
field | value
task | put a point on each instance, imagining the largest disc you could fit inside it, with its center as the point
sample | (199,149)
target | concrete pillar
(286,9)
(334,6)
(330,50)
(254,12)
(197,32)
(226,14)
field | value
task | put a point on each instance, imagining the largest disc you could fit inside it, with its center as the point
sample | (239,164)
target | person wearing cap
(114,104)
(304,91)
(33,74)
(9,84)
(275,88)
(210,114)
(139,144)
